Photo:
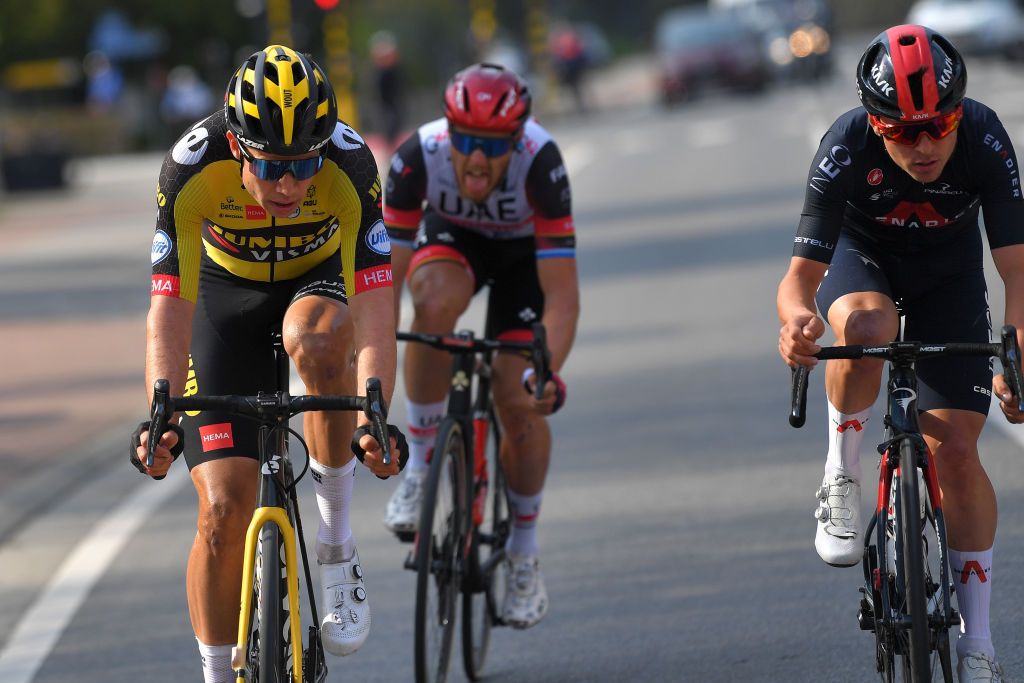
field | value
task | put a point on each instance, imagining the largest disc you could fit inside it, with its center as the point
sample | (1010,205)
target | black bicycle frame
(902,424)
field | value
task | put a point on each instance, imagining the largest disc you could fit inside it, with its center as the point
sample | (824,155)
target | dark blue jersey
(855,186)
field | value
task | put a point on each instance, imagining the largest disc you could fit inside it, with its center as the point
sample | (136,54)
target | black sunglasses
(274,169)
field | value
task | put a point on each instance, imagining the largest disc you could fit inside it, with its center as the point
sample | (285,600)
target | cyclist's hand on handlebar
(797,340)
(171,444)
(554,394)
(368,451)
(1007,401)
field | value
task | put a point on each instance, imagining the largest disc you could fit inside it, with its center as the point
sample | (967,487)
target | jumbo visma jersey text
(203,212)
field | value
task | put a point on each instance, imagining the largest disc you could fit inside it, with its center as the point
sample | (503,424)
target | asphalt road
(676,531)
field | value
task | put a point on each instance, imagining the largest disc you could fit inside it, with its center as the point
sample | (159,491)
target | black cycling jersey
(856,187)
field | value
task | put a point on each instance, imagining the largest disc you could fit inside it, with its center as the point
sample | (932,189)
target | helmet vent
(298,75)
(916,83)
(270,72)
(907,40)
(499,104)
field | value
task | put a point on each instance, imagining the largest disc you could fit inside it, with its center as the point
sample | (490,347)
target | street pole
(338,48)
(279,22)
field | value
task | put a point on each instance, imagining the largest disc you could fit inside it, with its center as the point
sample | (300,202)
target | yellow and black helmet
(281,102)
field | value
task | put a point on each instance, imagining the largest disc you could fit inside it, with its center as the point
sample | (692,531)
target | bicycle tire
(271,619)
(438,554)
(478,609)
(915,583)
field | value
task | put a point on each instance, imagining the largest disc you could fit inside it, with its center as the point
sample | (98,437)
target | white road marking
(40,628)
(712,133)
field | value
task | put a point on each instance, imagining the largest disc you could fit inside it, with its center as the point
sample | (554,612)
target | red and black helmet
(911,73)
(487,97)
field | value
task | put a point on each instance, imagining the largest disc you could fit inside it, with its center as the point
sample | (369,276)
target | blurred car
(796,34)
(981,27)
(700,50)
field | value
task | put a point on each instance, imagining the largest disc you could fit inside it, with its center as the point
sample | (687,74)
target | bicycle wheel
(268,638)
(486,550)
(913,581)
(438,549)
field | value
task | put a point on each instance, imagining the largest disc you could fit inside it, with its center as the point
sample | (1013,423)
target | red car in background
(699,50)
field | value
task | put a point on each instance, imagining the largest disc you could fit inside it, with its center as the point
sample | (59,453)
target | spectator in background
(388,78)
(569,60)
(186,99)
(105,82)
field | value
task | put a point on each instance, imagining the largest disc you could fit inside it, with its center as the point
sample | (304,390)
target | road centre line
(42,625)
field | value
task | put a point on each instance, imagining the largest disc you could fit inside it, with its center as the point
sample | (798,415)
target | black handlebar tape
(798,391)
(158,418)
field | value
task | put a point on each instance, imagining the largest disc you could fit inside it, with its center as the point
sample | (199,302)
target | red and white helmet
(487,97)
(911,73)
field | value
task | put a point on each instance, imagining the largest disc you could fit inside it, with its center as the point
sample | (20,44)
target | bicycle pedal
(410,561)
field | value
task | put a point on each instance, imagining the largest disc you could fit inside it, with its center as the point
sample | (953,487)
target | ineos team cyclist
(891,215)
(269,217)
(479,197)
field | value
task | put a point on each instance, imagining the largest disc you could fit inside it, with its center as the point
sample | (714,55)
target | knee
(223,522)
(319,351)
(957,460)
(435,308)
(870,327)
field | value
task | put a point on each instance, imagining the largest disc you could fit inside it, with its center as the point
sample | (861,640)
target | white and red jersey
(533,199)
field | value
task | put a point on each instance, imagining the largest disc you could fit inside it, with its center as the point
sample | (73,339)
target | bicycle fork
(239,654)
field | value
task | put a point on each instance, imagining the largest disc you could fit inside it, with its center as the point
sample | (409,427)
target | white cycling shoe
(346,621)
(403,511)
(526,598)
(978,667)
(838,537)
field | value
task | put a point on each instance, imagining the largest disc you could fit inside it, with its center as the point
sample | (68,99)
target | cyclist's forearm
(375,345)
(560,319)
(797,289)
(168,335)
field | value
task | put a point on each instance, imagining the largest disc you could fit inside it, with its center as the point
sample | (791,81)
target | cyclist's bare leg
(441,291)
(227,497)
(859,318)
(967,494)
(970,505)
(318,336)
(526,446)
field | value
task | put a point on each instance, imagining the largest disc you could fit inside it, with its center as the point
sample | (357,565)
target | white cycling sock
(524,510)
(216,663)
(424,419)
(845,434)
(972,576)
(333,487)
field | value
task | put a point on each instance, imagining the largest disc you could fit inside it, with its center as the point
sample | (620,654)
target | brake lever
(541,357)
(377,412)
(1011,364)
(158,417)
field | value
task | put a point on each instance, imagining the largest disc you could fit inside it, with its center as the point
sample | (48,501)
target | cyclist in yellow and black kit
(269,217)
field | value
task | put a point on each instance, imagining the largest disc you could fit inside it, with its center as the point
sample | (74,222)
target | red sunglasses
(907,133)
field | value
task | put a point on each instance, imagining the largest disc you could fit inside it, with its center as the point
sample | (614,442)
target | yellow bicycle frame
(261,517)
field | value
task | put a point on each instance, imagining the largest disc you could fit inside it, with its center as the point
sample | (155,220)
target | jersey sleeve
(547,186)
(405,190)
(177,242)
(998,176)
(821,219)
(356,196)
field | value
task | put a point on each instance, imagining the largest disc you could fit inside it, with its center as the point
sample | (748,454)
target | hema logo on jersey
(161,247)
(377,238)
